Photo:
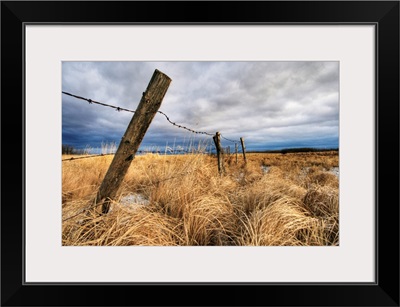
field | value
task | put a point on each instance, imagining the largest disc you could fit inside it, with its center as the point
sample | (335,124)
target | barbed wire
(97,102)
(228,139)
(83,211)
(192,151)
(91,101)
(85,157)
(183,127)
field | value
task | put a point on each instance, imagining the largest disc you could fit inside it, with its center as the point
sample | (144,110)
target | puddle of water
(335,171)
(134,200)
(265,169)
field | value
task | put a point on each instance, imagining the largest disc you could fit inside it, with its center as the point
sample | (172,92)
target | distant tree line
(305,149)
(71,150)
(295,150)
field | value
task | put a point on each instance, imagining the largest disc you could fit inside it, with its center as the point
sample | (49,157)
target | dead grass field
(275,200)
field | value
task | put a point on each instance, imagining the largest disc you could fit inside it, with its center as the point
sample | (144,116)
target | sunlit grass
(274,199)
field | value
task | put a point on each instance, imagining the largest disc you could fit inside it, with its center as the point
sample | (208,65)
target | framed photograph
(264,140)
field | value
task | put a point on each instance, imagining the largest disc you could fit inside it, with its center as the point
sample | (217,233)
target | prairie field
(274,199)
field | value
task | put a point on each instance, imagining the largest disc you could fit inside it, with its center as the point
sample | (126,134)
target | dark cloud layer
(271,104)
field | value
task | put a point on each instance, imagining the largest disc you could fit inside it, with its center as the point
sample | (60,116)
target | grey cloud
(237,98)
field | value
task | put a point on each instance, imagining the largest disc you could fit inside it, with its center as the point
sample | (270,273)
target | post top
(157,71)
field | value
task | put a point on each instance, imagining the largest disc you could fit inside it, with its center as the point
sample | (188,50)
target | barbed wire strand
(91,101)
(183,127)
(97,102)
(85,157)
(139,152)
(83,211)
(228,139)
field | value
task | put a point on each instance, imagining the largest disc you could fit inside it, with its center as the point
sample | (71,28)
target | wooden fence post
(236,151)
(130,142)
(217,141)
(244,150)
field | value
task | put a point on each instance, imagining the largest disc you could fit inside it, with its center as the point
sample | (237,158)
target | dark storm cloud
(265,102)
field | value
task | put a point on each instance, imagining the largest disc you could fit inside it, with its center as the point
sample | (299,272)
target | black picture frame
(383,14)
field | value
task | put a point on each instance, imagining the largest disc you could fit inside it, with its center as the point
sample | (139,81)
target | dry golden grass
(186,202)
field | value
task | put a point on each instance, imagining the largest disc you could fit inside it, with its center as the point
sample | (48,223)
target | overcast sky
(272,105)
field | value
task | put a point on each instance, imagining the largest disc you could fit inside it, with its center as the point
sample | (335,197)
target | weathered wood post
(244,150)
(217,141)
(236,151)
(130,142)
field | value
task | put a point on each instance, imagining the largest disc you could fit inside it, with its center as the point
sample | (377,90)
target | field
(274,199)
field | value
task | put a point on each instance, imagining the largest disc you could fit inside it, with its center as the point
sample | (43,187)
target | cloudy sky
(272,105)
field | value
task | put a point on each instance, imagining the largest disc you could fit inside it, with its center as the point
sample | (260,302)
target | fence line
(91,101)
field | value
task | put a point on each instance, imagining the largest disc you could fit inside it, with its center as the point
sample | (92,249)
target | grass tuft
(182,200)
